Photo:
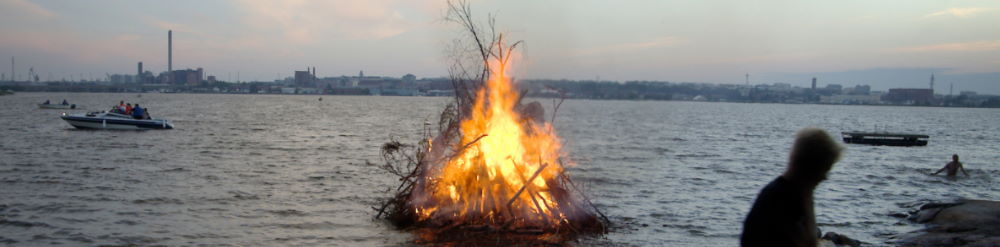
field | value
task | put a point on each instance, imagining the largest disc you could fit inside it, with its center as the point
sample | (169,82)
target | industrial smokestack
(932,82)
(170,53)
(139,71)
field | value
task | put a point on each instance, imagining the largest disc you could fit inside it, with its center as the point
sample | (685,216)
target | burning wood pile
(491,167)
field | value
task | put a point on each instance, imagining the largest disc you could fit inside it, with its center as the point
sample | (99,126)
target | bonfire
(492,165)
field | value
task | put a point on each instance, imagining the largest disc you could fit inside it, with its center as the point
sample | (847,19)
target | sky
(885,44)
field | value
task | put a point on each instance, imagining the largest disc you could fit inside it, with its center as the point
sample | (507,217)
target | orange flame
(509,171)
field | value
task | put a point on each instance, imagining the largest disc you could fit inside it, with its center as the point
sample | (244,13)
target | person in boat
(46,102)
(138,112)
(952,167)
(120,108)
(65,102)
(782,214)
(128,108)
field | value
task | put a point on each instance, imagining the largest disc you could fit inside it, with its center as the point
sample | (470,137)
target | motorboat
(113,120)
(57,106)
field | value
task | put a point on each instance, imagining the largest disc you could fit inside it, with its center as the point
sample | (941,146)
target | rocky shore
(963,223)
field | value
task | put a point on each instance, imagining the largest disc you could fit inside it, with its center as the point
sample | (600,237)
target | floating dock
(885,139)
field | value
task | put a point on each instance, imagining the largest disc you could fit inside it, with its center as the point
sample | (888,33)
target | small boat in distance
(65,105)
(57,106)
(885,139)
(115,121)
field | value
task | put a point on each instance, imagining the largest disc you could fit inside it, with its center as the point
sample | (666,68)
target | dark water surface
(290,170)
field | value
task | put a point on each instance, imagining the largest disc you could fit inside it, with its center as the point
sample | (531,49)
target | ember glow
(506,170)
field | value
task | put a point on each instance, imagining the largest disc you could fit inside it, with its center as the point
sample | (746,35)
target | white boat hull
(104,125)
(114,122)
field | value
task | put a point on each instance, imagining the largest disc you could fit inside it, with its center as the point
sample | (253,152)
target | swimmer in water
(952,167)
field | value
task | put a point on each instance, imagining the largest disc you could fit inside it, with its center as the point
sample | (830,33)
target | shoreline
(529,96)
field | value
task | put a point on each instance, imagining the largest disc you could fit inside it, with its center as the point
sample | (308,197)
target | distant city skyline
(885,44)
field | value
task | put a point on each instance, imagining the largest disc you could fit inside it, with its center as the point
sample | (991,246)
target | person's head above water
(954,157)
(812,156)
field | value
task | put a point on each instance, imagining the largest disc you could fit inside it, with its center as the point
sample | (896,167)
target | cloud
(25,7)
(954,47)
(76,48)
(788,60)
(166,25)
(128,37)
(961,12)
(301,21)
(666,41)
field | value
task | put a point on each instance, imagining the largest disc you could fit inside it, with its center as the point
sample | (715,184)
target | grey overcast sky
(884,44)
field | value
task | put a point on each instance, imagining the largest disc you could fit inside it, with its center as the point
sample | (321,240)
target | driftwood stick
(382,209)
(520,97)
(459,151)
(584,195)
(562,97)
(525,186)
(472,142)
(532,194)
(537,205)
(406,182)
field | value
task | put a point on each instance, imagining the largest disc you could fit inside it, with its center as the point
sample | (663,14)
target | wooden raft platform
(885,139)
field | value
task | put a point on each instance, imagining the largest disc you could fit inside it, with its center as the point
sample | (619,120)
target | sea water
(293,170)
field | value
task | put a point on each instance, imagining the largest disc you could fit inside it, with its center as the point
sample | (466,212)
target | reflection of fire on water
(493,166)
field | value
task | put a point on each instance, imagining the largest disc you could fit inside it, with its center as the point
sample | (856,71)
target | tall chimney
(139,72)
(170,53)
(932,82)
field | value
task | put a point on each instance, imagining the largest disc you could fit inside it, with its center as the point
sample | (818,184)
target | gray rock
(939,205)
(839,239)
(899,215)
(925,215)
(970,223)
